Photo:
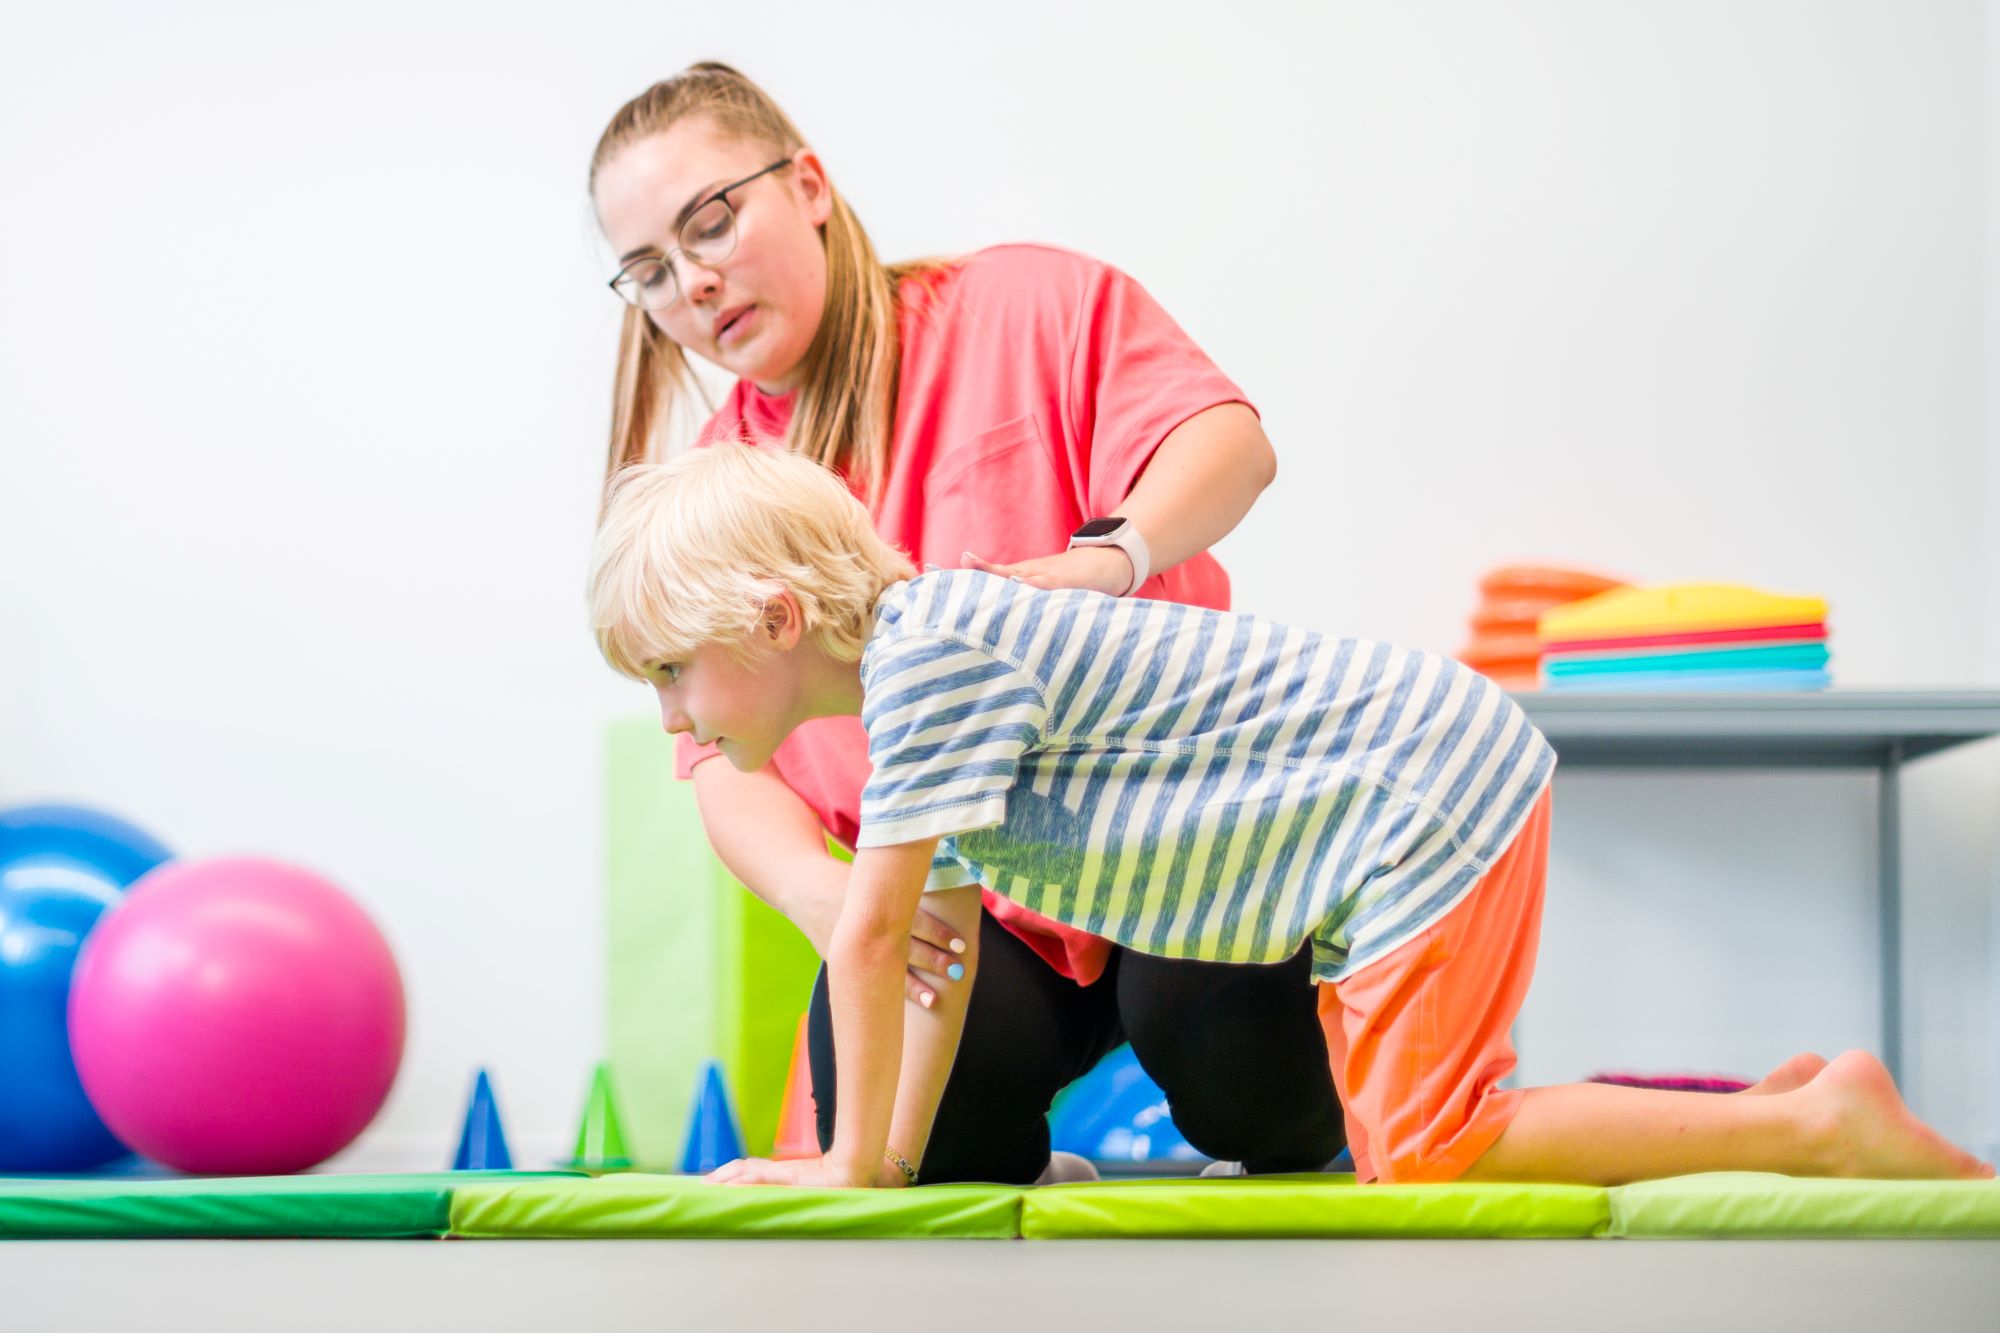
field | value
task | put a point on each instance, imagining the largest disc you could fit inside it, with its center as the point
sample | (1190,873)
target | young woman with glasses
(1022,409)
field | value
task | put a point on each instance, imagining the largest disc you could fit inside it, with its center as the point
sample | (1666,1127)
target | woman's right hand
(935,953)
(772,841)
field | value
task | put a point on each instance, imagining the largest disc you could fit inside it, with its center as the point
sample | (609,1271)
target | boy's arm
(927,1045)
(891,1071)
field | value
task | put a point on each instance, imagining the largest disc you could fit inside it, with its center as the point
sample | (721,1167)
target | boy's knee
(1447,1144)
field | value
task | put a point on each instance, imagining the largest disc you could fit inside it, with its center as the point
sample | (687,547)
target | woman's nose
(698,283)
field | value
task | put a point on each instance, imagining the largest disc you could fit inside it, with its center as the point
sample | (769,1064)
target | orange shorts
(1420,1038)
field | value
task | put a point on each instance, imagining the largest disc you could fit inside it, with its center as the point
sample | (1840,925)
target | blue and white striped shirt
(1186,782)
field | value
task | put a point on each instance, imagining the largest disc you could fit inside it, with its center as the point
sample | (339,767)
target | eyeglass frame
(666,258)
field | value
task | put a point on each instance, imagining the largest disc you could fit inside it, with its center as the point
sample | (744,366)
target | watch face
(1099,527)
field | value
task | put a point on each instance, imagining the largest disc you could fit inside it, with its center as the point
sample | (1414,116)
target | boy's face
(743,705)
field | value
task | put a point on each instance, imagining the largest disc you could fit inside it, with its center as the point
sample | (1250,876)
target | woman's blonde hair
(847,399)
(692,551)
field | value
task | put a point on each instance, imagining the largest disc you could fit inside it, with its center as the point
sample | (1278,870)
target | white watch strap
(1128,540)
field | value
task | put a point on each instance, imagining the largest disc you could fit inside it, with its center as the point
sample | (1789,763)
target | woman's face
(754,312)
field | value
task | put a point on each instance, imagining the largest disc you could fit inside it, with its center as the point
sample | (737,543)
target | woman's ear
(814,188)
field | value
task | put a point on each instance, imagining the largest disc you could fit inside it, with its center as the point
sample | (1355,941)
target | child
(1187,783)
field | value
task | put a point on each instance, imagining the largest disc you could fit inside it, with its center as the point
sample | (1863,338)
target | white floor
(973,1286)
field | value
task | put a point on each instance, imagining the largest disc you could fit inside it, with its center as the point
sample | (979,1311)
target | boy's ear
(784,623)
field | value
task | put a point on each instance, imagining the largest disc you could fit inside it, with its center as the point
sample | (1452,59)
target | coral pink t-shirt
(1035,385)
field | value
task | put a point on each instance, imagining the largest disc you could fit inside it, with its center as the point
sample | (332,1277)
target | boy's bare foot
(1864,1129)
(1794,1073)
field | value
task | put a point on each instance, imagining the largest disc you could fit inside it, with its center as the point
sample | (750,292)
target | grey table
(1879,730)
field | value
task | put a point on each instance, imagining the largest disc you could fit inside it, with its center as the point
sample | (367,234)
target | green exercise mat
(377,1206)
(698,968)
(1308,1206)
(549,1204)
(1745,1203)
(636,1205)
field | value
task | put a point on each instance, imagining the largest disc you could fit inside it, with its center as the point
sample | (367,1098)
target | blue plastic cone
(482,1144)
(713,1136)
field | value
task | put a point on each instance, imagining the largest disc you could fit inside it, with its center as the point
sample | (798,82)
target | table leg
(1889,880)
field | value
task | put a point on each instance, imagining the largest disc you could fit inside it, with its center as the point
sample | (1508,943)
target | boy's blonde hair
(692,551)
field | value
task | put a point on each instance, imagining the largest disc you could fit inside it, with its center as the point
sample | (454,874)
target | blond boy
(1184,782)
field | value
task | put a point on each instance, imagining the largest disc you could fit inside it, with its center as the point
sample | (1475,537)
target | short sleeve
(947,727)
(1134,376)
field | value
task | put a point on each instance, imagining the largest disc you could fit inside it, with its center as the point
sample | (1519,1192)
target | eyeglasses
(707,237)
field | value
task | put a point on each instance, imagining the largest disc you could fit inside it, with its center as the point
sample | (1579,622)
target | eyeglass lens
(706,237)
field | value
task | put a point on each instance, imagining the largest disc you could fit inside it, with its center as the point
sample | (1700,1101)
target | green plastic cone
(600,1143)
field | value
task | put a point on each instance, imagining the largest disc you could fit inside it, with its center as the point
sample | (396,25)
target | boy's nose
(672,720)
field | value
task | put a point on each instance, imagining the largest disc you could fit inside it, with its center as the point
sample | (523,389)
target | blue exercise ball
(60,867)
(1117,1113)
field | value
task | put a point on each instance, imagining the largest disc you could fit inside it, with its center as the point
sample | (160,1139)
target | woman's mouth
(734,324)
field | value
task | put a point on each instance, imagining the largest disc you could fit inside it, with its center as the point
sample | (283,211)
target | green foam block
(378,1206)
(1309,1206)
(635,1205)
(1745,1203)
(699,969)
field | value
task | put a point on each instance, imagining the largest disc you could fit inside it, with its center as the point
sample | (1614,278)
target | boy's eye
(672,671)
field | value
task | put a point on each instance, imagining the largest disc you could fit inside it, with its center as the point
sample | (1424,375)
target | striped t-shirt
(1182,781)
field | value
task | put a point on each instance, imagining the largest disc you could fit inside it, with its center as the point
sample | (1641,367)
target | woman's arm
(1196,488)
(893,1059)
(772,841)
(1200,483)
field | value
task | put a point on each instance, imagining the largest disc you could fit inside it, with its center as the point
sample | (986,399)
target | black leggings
(1238,1049)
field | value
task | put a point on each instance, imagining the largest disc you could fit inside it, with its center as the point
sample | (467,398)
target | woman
(1023,410)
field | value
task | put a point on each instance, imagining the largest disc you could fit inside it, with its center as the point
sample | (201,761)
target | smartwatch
(1120,533)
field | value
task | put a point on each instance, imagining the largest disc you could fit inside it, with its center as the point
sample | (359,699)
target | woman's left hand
(1104,569)
(810,1171)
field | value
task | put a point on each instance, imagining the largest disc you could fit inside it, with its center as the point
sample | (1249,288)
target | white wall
(303,387)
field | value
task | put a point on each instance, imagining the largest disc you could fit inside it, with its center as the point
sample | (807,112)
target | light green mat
(1752,1204)
(1306,1206)
(1266,1207)
(686,1206)
(699,969)
(380,1206)
(1299,1206)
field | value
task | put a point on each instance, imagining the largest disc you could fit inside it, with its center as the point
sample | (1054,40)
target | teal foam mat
(333,1206)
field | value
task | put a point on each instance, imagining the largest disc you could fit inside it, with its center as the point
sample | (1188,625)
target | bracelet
(901,1163)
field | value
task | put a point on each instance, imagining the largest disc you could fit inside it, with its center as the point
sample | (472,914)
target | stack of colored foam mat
(1505,645)
(1686,637)
(500,1206)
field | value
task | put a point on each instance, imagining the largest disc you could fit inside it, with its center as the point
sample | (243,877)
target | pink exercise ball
(236,1016)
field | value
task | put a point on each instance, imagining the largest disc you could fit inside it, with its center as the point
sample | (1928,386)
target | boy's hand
(1104,569)
(812,1171)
